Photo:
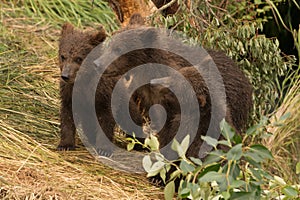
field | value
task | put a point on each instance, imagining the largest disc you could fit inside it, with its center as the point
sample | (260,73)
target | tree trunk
(125,8)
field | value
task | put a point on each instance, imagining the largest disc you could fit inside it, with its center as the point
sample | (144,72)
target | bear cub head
(74,46)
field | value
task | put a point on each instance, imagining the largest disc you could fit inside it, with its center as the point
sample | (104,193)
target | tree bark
(124,9)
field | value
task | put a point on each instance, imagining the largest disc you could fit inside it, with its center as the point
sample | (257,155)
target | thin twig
(166,6)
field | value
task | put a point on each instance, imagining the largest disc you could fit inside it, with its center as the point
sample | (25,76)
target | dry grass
(285,141)
(30,168)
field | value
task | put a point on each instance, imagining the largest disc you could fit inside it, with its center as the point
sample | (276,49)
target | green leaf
(213,157)
(225,142)
(234,170)
(147,141)
(194,190)
(185,192)
(227,130)
(290,191)
(235,153)
(226,195)
(237,139)
(162,174)
(169,190)
(177,147)
(256,174)
(130,146)
(152,142)
(210,141)
(243,195)
(298,168)
(237,183)
(257,1)
(159,157)
(252,130)
(279,180)
(197,161)
(212,176)
(257,154)
(155,168)
(186,167)
(210,168)
(253,158)
(175,174)
(261,151)
(266,175)
(185,144)
(147,163)
(220,178)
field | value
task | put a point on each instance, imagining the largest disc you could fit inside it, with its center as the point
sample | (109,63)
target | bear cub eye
(62,58)
(78,60)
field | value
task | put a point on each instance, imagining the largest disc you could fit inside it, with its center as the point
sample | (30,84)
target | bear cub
(74,46)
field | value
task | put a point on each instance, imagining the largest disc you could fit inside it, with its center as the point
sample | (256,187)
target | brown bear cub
(74,46)
(237,104)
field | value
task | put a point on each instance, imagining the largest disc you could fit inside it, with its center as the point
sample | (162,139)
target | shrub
(235,173)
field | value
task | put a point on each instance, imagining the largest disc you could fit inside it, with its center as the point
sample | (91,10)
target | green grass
(54,13)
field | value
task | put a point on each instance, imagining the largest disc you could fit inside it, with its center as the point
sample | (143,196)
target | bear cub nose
(65,78)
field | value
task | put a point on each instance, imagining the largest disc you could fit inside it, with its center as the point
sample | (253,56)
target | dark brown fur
(169,101)
(74,47)
(238,100)
(237,88)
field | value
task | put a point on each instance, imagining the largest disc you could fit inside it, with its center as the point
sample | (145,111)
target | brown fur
(103,109)
(238,100)
(237,88)
(74,46)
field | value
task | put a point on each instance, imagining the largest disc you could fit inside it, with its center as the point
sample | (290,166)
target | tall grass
(285,142)
(30,167)
(55,12)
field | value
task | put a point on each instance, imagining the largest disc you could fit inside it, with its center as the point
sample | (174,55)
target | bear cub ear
(98,37)
(67,28)
(136,19)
